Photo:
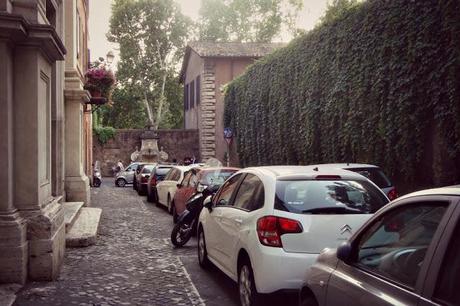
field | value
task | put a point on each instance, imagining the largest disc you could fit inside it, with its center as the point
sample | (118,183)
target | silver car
(408,253)
(126,176)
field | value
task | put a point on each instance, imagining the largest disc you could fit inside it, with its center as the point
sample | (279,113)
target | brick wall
(177,143)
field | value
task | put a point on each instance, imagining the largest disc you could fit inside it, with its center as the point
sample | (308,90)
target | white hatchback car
(167,188)
(266,225)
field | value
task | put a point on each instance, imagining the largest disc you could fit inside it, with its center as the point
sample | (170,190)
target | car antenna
(315,169)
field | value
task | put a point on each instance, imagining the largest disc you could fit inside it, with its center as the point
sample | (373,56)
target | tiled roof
(227,49)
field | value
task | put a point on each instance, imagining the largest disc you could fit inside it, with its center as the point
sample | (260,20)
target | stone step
(84,231)
(71,211)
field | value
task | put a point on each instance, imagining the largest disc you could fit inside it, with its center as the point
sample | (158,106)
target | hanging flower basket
(99,82)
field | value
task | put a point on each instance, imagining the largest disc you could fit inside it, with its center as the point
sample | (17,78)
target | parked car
(136,173)
(372,172)
(126,176)
(196,180)
(142,178)
(266,225)
(166,189)
(408,253)
(158,174)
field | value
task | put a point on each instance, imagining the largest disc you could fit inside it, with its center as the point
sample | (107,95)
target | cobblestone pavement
(133,263)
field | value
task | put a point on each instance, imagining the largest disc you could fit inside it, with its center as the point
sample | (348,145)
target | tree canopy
(152,36)
(247,20)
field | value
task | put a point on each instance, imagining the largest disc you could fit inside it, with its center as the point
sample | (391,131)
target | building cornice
(16,29)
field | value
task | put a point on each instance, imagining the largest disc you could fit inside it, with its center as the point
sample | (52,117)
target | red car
(196,180)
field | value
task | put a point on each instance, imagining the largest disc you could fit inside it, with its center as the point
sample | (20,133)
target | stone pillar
(32,229)
(76,182)
(32,192)
(13,242)
(208,113)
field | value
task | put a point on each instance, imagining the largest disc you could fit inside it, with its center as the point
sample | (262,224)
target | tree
(152,36)
(336,9)
(247,20)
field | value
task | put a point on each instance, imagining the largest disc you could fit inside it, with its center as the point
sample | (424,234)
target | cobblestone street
(132,263)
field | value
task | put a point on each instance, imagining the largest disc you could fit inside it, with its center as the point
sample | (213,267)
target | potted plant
(99,82)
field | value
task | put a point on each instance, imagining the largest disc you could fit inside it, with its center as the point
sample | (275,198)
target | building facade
(40,122)
(206,68)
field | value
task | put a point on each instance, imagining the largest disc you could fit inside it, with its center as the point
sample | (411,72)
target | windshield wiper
(333,210)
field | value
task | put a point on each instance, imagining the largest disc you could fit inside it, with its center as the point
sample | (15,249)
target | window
(250,195)
(186,179)
(192,94)
(170,174)
(324,196)
(198,90)
(395,246)
(226,191)
(447,290)
(186,97)
(376,175)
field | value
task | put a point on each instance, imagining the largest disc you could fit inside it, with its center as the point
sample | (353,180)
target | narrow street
(133,263)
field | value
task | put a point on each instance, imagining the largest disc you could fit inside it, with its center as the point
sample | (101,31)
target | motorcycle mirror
(208,203)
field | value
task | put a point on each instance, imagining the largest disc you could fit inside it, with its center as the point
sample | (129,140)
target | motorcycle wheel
(96,182)
(181,234)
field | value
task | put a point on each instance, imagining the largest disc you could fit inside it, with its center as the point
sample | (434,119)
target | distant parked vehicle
(142,178)
(126,176)
(97,177)
(158,174)
(196,180)
(266,225)
(166,189)
(408,253)
(137,170)
(372,172)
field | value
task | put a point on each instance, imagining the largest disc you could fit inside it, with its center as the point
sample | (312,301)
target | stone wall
(177,143)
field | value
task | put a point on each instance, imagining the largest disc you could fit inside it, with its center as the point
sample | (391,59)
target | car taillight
(271,228)
(144,179)
(393,194)
(153,181)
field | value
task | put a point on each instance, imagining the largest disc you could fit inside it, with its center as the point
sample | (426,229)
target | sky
(100,10)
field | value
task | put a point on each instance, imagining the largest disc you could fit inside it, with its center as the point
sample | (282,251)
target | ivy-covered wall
(380,85)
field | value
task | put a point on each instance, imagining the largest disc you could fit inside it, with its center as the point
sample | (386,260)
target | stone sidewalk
(132,262)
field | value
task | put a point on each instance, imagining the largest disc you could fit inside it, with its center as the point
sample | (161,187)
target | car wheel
(308,301)
(150,197)
(155,195)
(169,204)
(246,286)
(174,213)
(202,252)
(135,185)
(120,182)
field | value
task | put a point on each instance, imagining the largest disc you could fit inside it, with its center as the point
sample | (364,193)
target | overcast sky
(100,14)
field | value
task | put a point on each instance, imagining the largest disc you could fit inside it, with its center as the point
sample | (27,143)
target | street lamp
(109,57)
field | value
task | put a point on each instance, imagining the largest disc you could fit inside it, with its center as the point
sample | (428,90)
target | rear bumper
(276,269)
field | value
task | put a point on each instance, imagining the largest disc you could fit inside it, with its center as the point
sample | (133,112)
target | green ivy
(380,84)
(104,133)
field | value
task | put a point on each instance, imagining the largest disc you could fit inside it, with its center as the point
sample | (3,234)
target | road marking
(199,300)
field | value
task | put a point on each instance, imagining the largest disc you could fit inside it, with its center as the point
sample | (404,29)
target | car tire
(120,182)
(202,251)
(155,195)
(247,286)
(150,197)
(140,191)
(168,204)
(308,301)
(174,213)
(134,184)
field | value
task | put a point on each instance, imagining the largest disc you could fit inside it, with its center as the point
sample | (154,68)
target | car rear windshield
(148,168)
(162,171)
(376,175)
(328,197)
(217,177)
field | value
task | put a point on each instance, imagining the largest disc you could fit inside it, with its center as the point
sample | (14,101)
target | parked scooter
(97,177)
(187,221)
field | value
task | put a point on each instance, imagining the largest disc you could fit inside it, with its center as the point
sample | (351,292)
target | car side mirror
(179,186)
(208,203)
(344,252)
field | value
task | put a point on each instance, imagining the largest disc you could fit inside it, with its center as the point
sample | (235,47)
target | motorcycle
(97,177)
(187,221)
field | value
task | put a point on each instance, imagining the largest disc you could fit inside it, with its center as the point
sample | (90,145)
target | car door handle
(239,221)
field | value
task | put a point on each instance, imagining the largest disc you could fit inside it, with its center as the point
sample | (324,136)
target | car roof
(447,191)
(346,165)
(209,169)
(304,172)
